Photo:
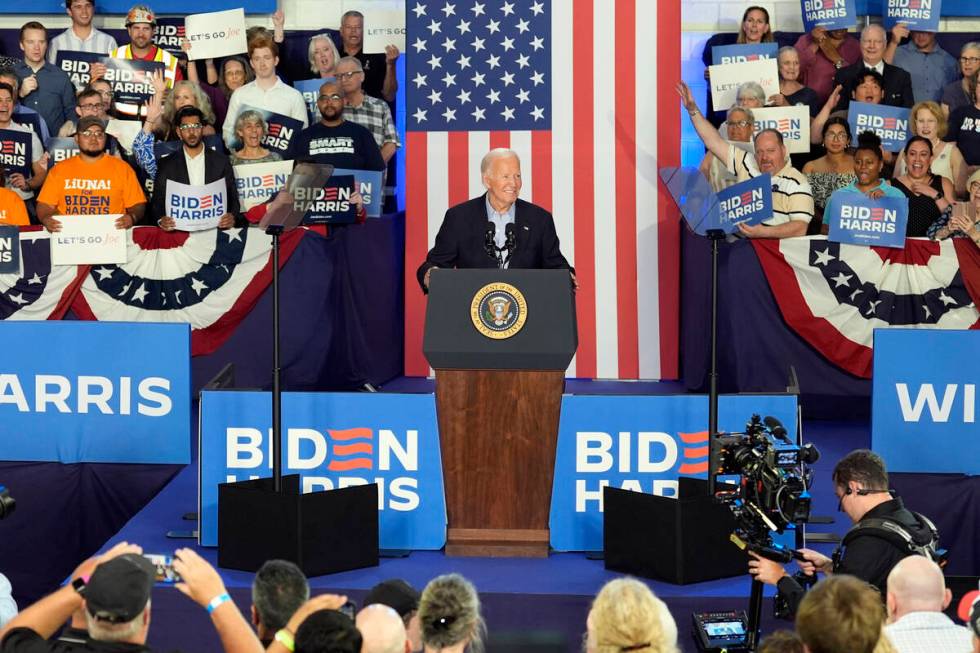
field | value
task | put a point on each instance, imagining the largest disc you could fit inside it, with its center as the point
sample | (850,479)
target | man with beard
(140,22)
(91,183)
(336,141)
(792,198)
(195,165)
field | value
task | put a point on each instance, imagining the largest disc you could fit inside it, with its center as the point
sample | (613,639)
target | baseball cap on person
(396,594)
(89,121)
(118,590)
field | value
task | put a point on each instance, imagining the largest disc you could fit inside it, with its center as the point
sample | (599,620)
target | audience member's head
(626,616)
(770,151)
(350,73)
(750,94)
(330,102)
(89,102)
(781,641)
(916,584)
(873,41)
(382,630)
(868,160)
(33,41)
(352,31)
(186,93)
(279,588)
(836,135)
(741,124)
(840,613)
(327,631)
(140,22)
(970,59)
(263,53)
(105,90)
(323,55)
(250,128)
(754,27)
(918,157)
(869,87)
(928,120)
(788,61)
(235,72)
(404,599)
(117,599)
(449,614)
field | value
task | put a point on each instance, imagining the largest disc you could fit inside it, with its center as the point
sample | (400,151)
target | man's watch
(839,64)
(79,585)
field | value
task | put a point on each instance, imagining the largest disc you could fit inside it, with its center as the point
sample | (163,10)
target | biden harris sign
(332,440)
(95,392)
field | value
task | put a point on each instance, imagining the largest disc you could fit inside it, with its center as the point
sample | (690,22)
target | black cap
(396,594)
(89,121)
(119,589)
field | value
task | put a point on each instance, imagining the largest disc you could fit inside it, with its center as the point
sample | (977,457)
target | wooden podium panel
(498,432)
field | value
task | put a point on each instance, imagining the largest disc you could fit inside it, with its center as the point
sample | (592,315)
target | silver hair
(736,109)
(309,51)
(351,13)
(249,116)
(103,631)
(972,45)
(353,60)
(493,155)
(753,89)
(786,48)
(871,26)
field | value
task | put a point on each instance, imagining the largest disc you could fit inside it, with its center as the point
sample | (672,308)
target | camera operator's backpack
(923,539)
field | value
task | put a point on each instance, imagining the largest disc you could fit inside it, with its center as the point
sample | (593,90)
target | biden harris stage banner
(722,54)
(95,392)
(924,400)
(829,14)
(891,124)
(637,443)
(859,220)
(331,440)
(918,15)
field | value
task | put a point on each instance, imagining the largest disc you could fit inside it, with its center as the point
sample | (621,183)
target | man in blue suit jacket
(496,229)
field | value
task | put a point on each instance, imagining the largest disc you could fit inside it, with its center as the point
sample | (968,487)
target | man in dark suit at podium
(496,230)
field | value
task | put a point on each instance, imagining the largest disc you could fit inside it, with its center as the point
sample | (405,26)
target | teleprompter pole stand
(275,231)
(714,235)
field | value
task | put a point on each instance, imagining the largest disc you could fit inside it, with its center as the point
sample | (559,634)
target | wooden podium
(500,341)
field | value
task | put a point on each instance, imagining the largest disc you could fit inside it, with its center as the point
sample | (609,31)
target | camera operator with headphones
(884,532)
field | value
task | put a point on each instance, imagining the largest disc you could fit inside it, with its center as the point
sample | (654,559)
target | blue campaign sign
(637,443)
(16,151)
(829,14)
(331,440)
(130,78)
(95,392)
(748,202)
(310,88)
(9,247)
(891,124)
(77,65)
(740,52)
(859,220)
(924,400)
(919,15)
(280,131)
(334,205)
(369,185)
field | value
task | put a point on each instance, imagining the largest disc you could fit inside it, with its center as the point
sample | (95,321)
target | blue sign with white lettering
(9,247)
(280,131)
(857,219)
(748,202)
(369,185)
(924,400)
(918,15)
(331,440)
(891,124)
(95,392)
(310,88)
(637,443)
(721,54)
(829,14)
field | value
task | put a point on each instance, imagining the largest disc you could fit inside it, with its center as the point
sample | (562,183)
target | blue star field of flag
(478,65)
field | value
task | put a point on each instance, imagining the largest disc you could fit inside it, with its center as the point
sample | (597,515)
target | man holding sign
(81,36)
(197,166)
(26,166)
(140,22)
(930,67)
(792,198)
(91,183)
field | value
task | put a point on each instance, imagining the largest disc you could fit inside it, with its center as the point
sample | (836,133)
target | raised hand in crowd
(819,120)
(154,109)
(899,31)
(391,54)
(97,70)
(278,26)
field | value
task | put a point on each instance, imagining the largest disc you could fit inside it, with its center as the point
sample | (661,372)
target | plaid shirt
(928,632)
(376,116)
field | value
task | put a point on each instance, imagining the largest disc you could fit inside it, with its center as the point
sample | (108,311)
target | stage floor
(518,594)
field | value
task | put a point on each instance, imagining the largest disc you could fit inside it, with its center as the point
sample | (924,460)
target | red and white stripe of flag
(615,119)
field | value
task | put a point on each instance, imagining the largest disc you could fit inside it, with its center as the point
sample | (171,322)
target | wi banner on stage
(95,392)
(924,400)
(331,440)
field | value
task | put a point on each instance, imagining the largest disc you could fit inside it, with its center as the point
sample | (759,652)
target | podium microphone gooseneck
(511,243)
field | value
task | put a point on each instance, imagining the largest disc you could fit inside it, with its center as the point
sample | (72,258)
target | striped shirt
(98,42)
(792,198)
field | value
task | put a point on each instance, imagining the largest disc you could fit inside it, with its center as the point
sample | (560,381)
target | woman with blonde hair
(927,120)
(184,93)
(449,616)
(323,56)
(627,617)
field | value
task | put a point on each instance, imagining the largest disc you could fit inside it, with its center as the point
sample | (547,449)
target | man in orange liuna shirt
(91,183)
(13,211)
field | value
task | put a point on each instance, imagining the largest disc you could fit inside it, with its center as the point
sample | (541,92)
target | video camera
(773,491)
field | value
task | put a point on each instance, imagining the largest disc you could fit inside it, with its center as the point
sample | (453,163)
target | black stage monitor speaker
(322,532)
(679,540)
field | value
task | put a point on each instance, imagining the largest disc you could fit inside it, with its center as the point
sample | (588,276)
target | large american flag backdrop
(583,91)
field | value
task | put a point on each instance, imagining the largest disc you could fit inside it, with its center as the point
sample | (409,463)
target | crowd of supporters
(938,169)
(232,101)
